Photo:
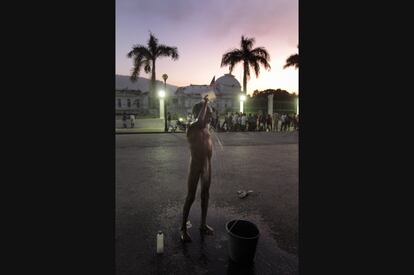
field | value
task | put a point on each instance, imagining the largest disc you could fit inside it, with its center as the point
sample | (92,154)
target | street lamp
(165,76)
(297,104)
(242,100)
(161,95)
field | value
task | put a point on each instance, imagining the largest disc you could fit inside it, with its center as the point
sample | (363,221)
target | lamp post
(297,105)
(161,95)
(242,100)
(165,76)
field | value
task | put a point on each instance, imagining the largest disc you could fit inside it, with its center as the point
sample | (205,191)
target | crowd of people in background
(235,122)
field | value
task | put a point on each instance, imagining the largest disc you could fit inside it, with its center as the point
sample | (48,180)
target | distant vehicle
(180,125)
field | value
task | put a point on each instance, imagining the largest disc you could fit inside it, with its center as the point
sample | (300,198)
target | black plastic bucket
(243,237)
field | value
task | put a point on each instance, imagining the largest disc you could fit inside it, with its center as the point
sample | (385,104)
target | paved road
(151,173)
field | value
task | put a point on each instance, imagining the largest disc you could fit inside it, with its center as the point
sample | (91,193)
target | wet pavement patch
(209,254)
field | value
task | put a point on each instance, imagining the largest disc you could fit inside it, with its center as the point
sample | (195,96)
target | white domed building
(226,88)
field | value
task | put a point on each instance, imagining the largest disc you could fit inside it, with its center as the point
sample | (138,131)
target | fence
(278,107)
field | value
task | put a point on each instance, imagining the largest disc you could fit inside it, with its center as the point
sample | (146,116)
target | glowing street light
(161,94)
(242,100)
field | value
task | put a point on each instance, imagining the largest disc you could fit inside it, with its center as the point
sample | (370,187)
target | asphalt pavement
(151,174)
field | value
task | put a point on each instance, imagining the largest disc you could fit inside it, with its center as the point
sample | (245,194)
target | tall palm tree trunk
(152,86)
(245,77)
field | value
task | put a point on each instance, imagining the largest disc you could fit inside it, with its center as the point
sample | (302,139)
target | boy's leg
(205,194)
(192,181)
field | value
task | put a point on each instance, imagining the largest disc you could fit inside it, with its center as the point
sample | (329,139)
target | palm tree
(292,61)
(250,58)
(146,57)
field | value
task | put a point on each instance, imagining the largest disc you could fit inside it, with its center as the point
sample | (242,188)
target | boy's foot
(185,237)
(207,230)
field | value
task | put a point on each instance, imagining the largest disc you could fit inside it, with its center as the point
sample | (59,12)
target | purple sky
(204,30)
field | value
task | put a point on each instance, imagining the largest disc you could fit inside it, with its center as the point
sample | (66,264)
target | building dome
(228,84)
(228,80)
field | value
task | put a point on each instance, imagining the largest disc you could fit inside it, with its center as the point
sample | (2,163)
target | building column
(161,108)
(270,104)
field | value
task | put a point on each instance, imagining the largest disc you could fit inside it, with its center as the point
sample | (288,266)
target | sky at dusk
(203,30)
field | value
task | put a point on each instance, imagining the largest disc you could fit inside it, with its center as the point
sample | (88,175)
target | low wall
(144,123)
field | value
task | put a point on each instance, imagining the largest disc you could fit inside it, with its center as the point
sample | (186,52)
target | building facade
(131,102)
(180,100)
(226,89)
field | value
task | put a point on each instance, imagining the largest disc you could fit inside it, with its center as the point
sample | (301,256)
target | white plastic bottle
(160,242)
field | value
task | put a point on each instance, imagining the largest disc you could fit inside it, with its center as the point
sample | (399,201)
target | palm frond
(138,62)
(264,62)
(255,64)
(256,67)
(292,61)
(140,59)
(139,50)
(230,58)
(262,52)
(147,67)
(164,50)
(246,43)
(152,44)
